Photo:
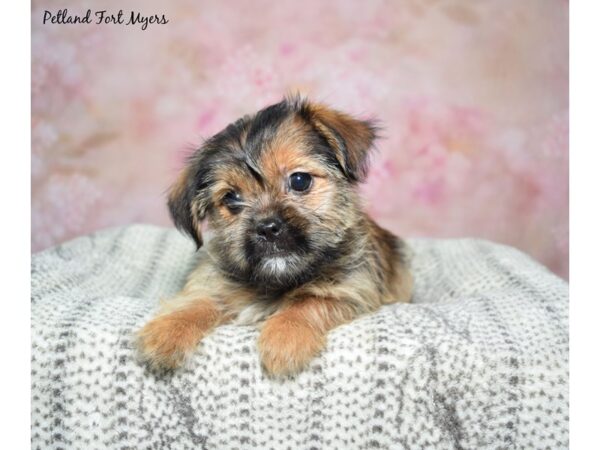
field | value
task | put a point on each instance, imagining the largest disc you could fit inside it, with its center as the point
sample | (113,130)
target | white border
(15,240)
(584,223)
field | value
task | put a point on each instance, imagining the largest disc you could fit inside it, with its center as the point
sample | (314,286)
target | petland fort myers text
(104,17)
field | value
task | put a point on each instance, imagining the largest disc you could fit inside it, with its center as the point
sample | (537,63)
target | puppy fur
(328,263)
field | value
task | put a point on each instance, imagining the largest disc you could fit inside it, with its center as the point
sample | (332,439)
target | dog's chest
(255,313)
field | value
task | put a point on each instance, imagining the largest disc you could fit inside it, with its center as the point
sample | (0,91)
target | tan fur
(293,336)
(356,134)
(372,268)
(171,336)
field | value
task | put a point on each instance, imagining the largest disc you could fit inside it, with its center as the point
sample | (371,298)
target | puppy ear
(186,206)
(350,138)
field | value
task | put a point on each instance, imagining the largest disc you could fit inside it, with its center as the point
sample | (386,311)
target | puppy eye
(232,201)
(300,181)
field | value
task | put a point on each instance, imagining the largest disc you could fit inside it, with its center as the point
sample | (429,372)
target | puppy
(292,253)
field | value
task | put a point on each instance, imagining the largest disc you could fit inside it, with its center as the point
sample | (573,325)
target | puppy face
(278,190)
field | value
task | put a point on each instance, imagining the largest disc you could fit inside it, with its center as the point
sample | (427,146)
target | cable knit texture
(478,360)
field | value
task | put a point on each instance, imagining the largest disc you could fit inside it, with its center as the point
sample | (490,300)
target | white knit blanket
(479,360)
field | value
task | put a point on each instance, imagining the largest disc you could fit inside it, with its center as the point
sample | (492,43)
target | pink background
(473,97)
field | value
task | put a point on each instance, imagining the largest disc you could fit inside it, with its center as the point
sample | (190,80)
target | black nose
(269,228)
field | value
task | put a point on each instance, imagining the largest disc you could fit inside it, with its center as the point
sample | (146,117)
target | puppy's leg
(291,338)
(171,336)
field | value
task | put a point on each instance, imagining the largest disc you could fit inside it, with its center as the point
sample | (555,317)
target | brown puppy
(292,251)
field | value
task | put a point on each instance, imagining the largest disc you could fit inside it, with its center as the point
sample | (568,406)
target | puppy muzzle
(270,229)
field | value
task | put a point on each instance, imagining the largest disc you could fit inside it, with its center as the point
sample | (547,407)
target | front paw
(166,341)
(287,346)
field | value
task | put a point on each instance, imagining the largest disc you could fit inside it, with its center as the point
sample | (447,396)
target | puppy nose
(269,228)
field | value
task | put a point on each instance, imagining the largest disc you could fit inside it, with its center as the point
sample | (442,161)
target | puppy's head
(278,191)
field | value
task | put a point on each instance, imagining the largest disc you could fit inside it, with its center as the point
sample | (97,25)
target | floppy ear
(186,206)
(350,138)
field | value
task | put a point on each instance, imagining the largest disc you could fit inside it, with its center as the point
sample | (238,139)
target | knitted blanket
(478,360)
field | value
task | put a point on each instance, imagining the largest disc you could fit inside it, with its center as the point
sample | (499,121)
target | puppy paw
(166,341)
(286,346)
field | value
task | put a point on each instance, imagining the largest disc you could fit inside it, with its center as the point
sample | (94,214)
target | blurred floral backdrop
(473,97)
